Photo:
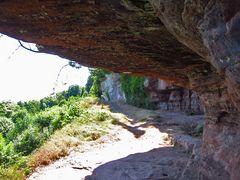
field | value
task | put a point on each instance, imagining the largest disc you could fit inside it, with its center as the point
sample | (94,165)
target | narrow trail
(136,148)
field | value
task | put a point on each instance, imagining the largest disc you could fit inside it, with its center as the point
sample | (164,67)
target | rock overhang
(194,44)
(122,36)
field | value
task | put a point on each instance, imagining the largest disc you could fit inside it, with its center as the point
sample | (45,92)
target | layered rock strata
(195,44)
(164,95)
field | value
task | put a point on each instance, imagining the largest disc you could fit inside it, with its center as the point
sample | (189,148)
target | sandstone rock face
(111,88)
(164,95)
(172,98)
(194,44)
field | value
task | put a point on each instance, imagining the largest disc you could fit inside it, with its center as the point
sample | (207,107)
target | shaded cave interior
(193,45)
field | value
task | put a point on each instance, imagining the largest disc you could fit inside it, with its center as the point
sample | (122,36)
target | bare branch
(59,73)
(29,49)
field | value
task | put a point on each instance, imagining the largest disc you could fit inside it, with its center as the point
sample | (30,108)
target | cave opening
(192,44)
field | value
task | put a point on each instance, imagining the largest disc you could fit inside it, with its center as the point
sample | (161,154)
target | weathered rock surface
(195,44)
(170,97)
(122,36)
(111,88)
(163,94)
(137,166)
(171,163)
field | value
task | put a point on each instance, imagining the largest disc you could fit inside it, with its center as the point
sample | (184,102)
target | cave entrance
(30,124)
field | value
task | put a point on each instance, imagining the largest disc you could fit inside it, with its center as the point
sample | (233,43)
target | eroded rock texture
(192,43)
(169,97)
(164,95)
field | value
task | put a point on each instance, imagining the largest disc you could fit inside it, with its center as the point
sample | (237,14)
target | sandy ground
(131,136)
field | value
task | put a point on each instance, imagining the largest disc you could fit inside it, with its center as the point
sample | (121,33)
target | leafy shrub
(101,116)
(32,106)
(73,90)
(19,126)
(43,120)
(59,122)
(87,102)
(10,173)
(93,86)
(7,108)
(5,125)
(7,153)
(114,121)
(74,110)
(133,87)
(19,115)
(28,141)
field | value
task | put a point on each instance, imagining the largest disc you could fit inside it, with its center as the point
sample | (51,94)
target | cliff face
(164,95)
(195,44)
(169,97)
(111,88)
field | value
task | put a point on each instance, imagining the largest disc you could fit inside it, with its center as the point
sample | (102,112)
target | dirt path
(135,149)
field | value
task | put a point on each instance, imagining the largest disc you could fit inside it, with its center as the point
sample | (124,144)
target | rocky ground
(145,144)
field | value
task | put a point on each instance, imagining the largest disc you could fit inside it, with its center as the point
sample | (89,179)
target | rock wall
(164,95)
(111,88)
(171,97)
(194,44)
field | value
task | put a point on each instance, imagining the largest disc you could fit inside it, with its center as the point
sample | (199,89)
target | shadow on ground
(161,163)
(165,163)
(133,129)
(168,122)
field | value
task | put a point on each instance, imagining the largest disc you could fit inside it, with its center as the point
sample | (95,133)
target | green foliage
(43,120)
(7,108)
(19,115)
(11,173)
(5,125)
(26,126)
(7,152)
(19,126)
(73,91)
(31,106)
(28,140)
(74,109)
(101,116)
(133,87)
(93,86)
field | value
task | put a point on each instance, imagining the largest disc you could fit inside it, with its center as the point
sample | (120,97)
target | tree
(7,108)
(73,90)
(93,85)
(5,125)
(32,106)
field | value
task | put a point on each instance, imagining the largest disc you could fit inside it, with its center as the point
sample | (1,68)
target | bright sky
(27,75)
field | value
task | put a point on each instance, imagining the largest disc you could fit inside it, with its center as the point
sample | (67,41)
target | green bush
(25,126)
(28,141)
(19,126)
(7,108)
(8,155)
(19,115)
(10,173)
(101,116)
(133,87)
(74,110)
(5,125)
(93,86)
